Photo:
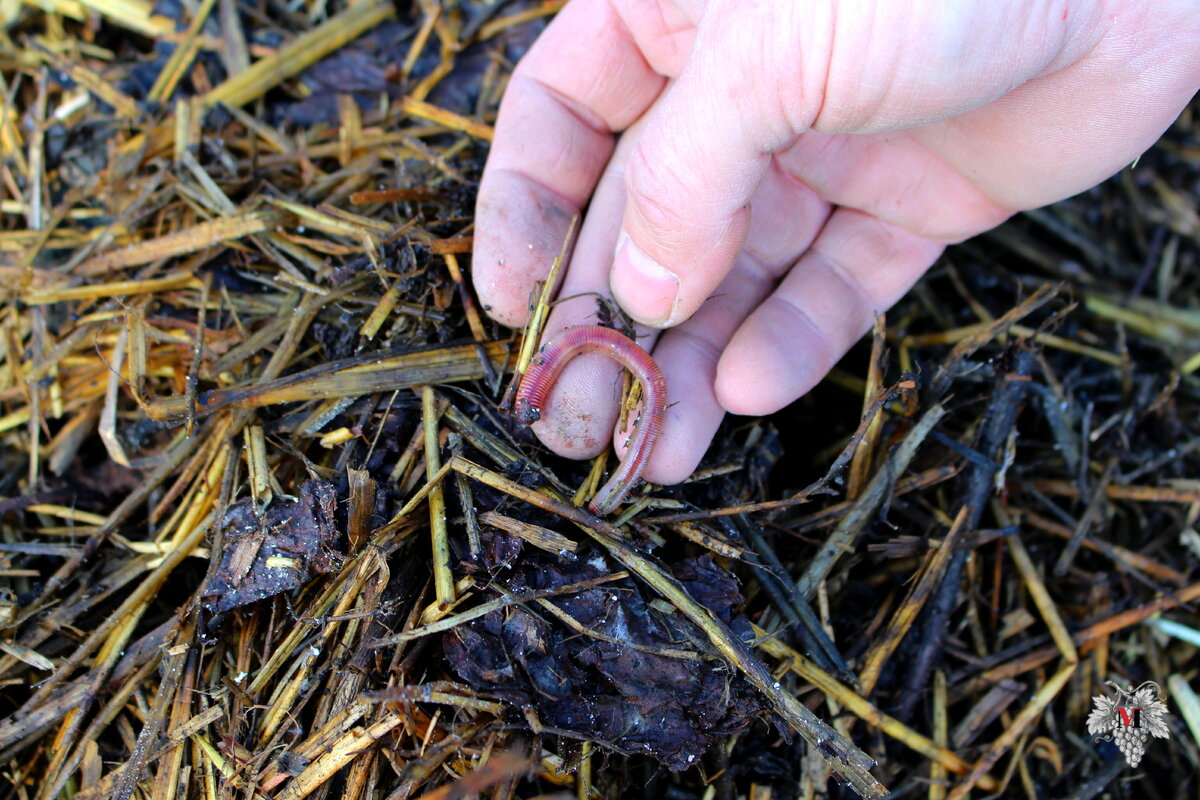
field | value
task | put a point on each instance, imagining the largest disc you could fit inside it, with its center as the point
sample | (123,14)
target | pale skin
(772,173)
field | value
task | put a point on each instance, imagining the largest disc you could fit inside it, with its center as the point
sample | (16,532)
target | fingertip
(774,358)
(673,459)
(521,226)
(687,356)
(672,466)
(582,408)
(573,444)
(645,289)
(687,433)
(736,398)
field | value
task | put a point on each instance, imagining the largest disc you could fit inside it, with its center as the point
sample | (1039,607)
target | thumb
(695,167)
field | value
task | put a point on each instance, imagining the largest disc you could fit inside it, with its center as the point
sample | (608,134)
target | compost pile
(267,529)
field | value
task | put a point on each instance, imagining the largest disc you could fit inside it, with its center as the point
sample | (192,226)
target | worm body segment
(548,364)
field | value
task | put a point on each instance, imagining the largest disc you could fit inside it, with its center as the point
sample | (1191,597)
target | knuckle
(651,179)
(657,193)
(709,352)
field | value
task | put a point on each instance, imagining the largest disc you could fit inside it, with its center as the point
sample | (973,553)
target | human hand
(788,168)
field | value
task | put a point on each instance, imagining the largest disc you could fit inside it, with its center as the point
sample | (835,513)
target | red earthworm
(548,364)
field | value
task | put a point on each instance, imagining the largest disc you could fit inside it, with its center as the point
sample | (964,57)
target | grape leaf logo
(1130,719)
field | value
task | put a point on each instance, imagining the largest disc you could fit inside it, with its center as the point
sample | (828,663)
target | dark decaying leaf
(604,688)
(272,550)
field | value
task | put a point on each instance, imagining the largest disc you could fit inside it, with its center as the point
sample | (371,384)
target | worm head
(525,412)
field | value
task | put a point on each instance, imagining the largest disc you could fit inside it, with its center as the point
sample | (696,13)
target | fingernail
(645,289)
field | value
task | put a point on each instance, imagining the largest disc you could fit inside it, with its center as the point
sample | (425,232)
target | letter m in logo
(1129,720)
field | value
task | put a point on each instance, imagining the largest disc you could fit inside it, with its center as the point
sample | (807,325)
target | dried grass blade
(198,237)
(455,122)
(1041,599)
(300,53)
(349,378)
(1028,715)
(865,710)
(931,573)
(853,522)
(443,576)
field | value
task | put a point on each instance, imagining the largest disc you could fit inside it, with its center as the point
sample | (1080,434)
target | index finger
(587,76)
